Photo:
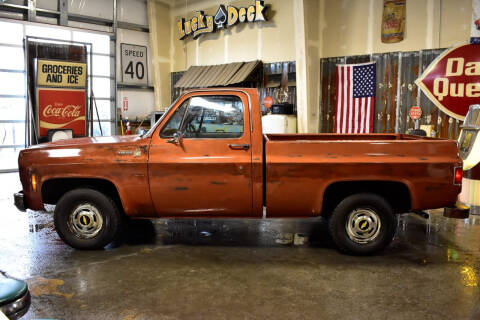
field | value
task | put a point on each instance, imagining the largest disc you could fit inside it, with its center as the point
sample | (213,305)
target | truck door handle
(239,146)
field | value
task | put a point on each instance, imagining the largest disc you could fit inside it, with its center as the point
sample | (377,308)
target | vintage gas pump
(469,143)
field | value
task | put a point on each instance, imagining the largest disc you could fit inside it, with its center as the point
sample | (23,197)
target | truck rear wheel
(362,224)
(87,219)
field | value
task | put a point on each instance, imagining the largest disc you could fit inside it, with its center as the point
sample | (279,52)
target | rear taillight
(458,175)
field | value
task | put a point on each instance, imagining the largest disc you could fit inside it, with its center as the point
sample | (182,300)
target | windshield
(149,132)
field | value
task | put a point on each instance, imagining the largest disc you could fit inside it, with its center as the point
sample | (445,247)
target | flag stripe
(345,102)
(362,115)
(372,106)
(367,118)
(339,98)
(355,128)
(350,99)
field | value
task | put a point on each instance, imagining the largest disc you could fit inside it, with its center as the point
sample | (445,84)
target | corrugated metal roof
(244,72)
(184,80)
(216,75)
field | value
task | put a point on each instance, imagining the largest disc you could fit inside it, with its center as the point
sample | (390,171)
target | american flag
(355,98)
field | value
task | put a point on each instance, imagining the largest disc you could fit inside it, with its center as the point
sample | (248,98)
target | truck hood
(77,142)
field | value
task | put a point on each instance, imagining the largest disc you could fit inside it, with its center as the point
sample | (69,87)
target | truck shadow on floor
(228,232)
(413,233)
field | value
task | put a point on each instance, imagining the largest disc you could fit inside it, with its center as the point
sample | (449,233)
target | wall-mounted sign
(134,64)
(393,20)
(267,102)
(61,109)
(226,17)
(452,81)
(415,112)
(55,73)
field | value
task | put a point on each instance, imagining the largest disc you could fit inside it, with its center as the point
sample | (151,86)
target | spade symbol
(220,17)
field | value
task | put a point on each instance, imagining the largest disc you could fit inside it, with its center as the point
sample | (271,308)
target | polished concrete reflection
(243,269)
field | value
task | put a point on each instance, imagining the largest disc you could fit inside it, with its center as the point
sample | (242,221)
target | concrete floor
(242,269)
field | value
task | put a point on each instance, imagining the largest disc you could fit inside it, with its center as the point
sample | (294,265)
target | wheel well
(54,189)
(396,193)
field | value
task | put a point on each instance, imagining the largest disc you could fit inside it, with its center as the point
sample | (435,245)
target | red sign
(267,102)
(125,103)
(415,112)
(61,109)
(452,81)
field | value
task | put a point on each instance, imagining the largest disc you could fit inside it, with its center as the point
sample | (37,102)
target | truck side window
(173,124)
(213,117)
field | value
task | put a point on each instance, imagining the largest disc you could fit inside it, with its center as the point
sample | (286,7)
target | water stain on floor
(39,286)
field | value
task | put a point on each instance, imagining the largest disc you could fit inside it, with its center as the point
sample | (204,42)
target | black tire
(418,132)
(69,219)
(364,209)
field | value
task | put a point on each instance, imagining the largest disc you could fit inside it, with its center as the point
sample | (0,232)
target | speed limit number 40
(134,64)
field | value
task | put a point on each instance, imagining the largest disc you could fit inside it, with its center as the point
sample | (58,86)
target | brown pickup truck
(207,157)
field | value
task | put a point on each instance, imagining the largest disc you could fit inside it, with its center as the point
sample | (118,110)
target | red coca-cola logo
(452,81)
(61,109)
(69,111)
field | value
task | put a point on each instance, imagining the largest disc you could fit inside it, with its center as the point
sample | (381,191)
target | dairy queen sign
(452,81)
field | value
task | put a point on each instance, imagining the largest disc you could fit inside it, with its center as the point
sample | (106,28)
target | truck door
(200,157)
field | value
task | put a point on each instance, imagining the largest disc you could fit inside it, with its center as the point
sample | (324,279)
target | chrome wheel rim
(363,225)
(85,221)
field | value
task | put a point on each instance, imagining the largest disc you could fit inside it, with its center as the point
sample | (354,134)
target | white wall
(140,102)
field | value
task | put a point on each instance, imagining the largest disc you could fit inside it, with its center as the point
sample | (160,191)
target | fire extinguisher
(129,129)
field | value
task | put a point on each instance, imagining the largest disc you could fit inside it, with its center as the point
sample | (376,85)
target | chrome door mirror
(177,138)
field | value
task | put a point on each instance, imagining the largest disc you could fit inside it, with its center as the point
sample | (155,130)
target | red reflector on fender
(458,175)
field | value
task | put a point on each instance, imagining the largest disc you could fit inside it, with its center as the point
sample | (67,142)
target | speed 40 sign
(134,64)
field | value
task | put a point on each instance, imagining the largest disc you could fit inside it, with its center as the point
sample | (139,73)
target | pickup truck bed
(301,168)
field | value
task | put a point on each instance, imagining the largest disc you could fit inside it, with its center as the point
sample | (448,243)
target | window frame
(188,99)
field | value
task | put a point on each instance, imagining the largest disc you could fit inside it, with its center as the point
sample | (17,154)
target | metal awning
(217,75)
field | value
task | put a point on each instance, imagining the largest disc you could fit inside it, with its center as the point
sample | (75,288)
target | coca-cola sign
(452,81)
(61,109)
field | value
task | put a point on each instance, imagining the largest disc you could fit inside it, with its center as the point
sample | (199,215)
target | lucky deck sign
(452,81)
(225,17)
(61,109)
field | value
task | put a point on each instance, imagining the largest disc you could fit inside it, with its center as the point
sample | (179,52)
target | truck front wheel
(362,224)
(87,219)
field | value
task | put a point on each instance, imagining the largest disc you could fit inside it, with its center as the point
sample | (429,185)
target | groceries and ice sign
(53,73)
(452,81)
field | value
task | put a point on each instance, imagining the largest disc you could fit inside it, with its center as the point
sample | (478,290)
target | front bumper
(459,211)
(19,201)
